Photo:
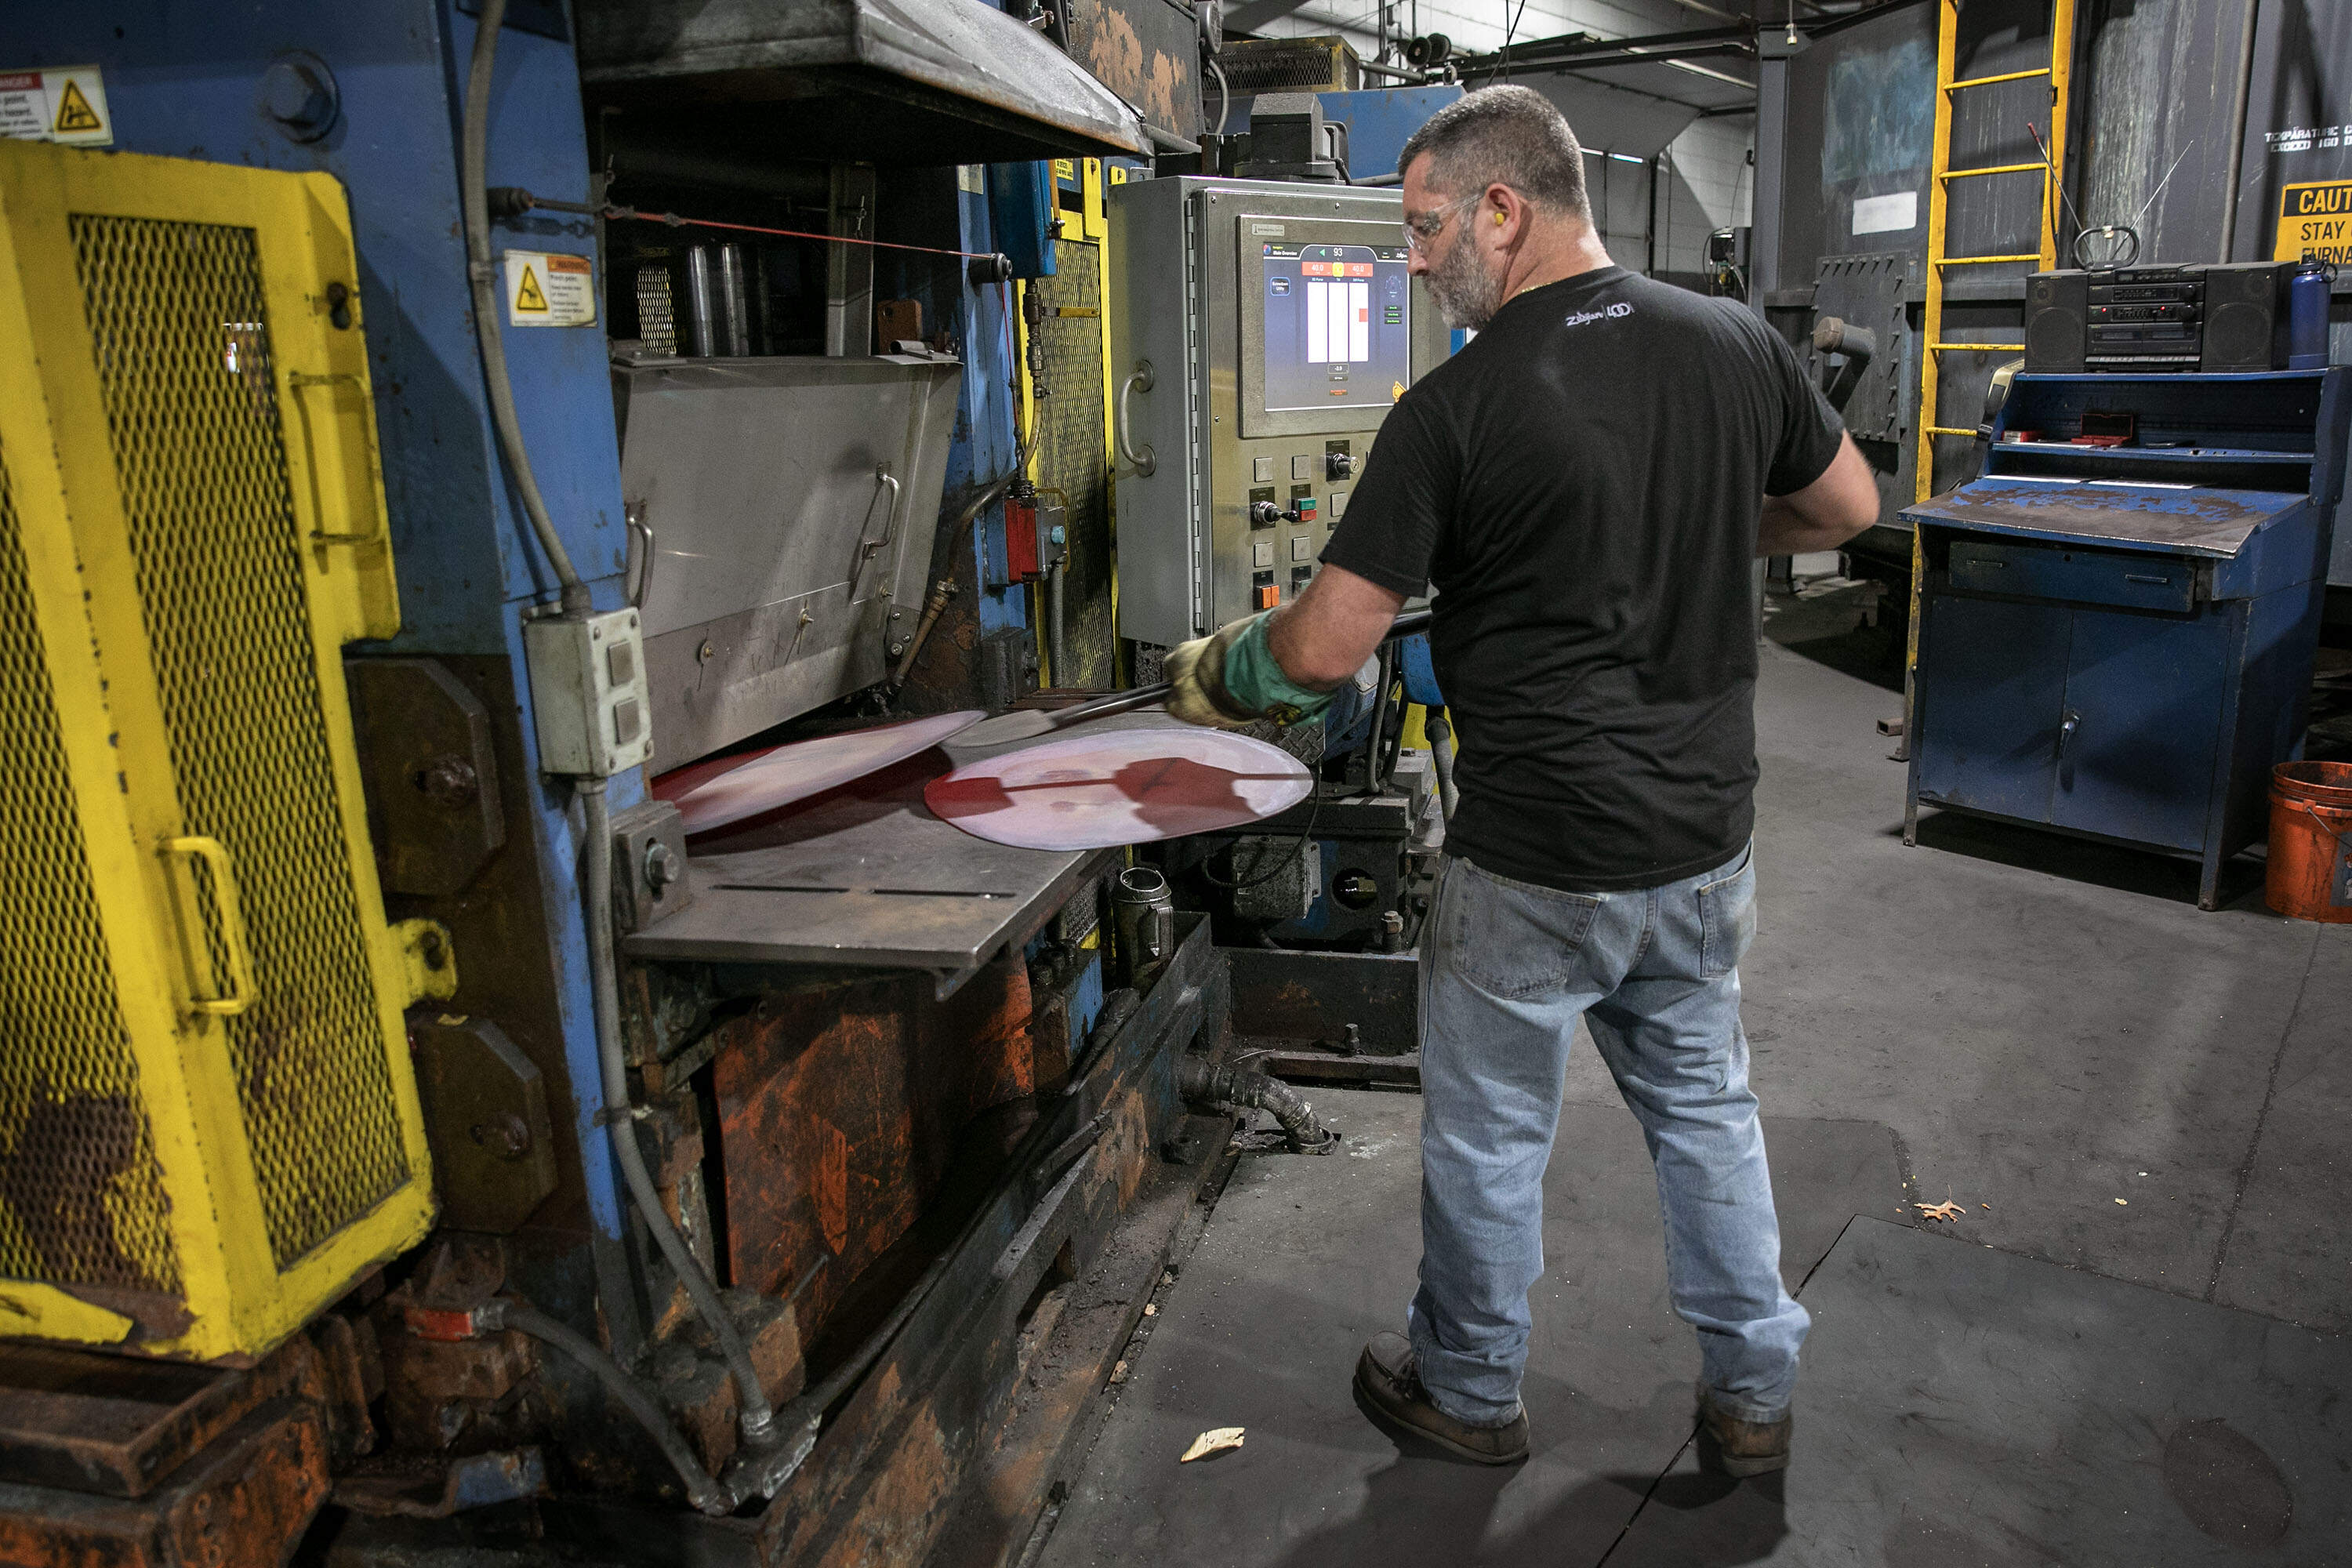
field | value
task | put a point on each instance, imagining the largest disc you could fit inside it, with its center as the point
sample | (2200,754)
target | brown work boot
(1737,1447)
(1386,1378)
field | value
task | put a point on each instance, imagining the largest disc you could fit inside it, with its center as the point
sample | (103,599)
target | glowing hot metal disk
(1120,786)
(729,789)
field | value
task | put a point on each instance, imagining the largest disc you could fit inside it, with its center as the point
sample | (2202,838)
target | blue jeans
(1655,974)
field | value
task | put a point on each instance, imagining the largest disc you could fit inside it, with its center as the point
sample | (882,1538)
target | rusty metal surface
(241,1503)
(908,1445)
(2200,522)
(1148,52)
(837,1112)
(117,1425)
(1316,995)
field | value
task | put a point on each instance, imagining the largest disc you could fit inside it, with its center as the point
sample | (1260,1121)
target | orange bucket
(2310,875)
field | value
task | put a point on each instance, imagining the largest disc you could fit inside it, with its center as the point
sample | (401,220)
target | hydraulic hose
(704,1493)
(757,1417)
(483,271)
(1197,1080)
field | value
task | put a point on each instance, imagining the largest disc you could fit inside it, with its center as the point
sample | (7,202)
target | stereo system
(2214,318)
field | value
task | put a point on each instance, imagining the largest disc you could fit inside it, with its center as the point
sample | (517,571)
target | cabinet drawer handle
(240,992)
(2141,578)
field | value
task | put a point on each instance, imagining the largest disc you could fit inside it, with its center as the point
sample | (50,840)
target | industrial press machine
(427,421)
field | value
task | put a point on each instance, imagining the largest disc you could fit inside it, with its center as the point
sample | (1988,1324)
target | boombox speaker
(2245,316)
(2057,306)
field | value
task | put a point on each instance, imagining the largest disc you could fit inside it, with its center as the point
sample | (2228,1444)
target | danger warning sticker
(68,106)
(2316,220)
(548,289)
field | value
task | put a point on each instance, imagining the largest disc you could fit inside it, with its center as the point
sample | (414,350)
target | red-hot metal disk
(1120,786)
(729,789)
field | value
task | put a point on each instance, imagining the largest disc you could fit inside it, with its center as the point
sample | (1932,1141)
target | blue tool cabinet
(2117,641)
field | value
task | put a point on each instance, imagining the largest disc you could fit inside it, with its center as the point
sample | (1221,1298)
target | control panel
(1245,419)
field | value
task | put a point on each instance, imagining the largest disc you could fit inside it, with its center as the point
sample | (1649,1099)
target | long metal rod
(1407,625)
(2238,133)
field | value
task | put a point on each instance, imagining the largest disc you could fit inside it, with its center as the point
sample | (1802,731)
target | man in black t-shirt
(1585,486)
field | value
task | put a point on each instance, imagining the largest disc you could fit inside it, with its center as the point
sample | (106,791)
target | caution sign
(68,106)
(549,289)
(2315,219)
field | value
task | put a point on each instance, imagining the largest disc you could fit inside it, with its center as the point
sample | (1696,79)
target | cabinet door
(1993,677)
(2144,701)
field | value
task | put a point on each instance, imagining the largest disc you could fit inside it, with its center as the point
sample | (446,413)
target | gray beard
(1466,296)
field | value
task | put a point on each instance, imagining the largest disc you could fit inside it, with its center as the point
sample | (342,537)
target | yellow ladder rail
(2062,49)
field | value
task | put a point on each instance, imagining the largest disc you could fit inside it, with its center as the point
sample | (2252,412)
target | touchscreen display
(1338,328)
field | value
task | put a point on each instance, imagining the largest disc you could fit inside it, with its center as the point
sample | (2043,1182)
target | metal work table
(866,878)
(2117,641)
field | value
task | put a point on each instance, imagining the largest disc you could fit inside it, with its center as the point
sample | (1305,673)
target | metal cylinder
(1143,915)
(701,302)
(733,322)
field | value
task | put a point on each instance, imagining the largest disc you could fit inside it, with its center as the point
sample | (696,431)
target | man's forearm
(1785,530)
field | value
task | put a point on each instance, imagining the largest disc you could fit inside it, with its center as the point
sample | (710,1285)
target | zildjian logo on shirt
(1583,316)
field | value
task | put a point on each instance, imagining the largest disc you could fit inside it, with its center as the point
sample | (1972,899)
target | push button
(628,720)
(1302,467)
(1269,598)
(1301,548)
(1261,553)
(1261,470)
(621,664)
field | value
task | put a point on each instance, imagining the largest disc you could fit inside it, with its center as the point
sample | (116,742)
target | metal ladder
(2062,52)
(2059,69)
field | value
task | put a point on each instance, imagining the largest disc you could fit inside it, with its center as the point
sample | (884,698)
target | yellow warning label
(2315,219)
(1396,390)
(549,289)
(1065,168)
(74,113)
(67,106)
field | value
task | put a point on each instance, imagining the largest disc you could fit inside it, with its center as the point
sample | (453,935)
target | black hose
(701,1490)
(1197,1080)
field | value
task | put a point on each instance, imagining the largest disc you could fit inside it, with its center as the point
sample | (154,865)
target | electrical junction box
(1281,322)
(588,691)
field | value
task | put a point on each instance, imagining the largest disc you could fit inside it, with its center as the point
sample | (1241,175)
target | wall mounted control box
(1300,326)
(588,693)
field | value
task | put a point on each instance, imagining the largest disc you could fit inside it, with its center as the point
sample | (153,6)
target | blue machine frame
(186,82)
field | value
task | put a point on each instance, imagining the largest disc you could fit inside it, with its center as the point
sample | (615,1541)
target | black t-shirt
(1581,485)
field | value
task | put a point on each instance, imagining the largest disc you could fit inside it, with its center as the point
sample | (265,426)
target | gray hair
(1503,136)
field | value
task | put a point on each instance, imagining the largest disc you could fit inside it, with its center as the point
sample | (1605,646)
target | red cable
(674,221)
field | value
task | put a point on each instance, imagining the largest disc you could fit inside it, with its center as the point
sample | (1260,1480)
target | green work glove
(1231,679)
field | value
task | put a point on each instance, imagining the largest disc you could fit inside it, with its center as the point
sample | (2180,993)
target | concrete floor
(2032,1026)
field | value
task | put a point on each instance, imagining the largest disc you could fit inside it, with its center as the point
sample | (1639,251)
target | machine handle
(1145,460)
(872,547)
(230,910)
(297,382)
(634,518)
(2072,723)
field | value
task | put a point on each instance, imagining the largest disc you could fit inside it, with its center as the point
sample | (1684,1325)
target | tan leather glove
(1197,670)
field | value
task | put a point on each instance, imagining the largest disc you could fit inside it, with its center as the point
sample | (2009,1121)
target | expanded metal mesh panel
(1070,456)
(81,1199)
(178,329)
(1286,65)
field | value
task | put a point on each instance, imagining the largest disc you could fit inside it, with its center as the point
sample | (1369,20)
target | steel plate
(1125,786)
(729,790)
